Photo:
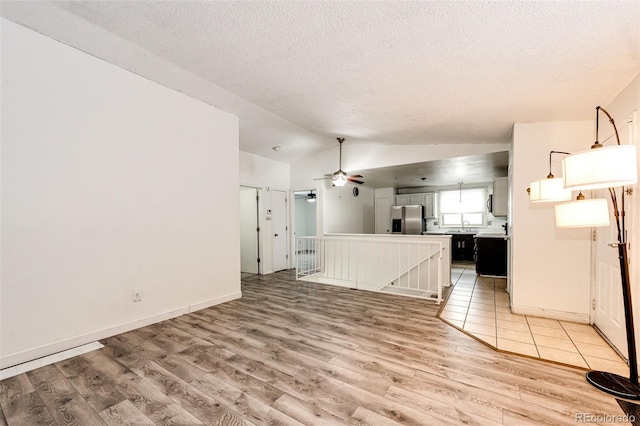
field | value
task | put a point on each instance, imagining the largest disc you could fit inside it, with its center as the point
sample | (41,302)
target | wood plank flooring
(300,353)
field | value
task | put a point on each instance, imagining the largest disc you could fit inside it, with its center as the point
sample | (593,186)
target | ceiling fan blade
(350,179)
(356,176)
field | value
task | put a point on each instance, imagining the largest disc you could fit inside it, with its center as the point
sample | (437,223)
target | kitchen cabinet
(491,256)
(426,200)
(402,200)
(463,247)
(430,206)
(416,199)
(499,200)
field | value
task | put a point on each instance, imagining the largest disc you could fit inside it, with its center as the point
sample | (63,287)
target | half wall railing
(396,265)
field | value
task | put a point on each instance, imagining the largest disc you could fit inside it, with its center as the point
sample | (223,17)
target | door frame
(260,225)
(256,204)
(292,211)
(287,225)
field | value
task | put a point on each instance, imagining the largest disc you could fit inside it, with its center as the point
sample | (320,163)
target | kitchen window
(465,207)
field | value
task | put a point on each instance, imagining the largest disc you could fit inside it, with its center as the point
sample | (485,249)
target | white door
(383,215)
(249,230)
(609,308)
(279,230)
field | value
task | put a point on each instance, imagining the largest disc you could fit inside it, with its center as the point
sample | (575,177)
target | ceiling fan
(340,178)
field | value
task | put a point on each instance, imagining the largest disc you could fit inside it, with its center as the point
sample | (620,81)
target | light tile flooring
(480,306)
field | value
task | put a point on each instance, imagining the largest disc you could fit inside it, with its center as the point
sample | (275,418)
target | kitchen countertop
(502,236)
(477,234)
(449,233)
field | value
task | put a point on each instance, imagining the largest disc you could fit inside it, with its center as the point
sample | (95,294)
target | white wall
(261,172)
(344,213)
(110,184)
(266,175)
(551,267)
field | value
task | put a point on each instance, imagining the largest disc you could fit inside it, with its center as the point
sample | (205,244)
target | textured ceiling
(386,72)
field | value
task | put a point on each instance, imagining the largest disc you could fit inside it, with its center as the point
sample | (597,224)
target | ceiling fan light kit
(340,178)
(311,197)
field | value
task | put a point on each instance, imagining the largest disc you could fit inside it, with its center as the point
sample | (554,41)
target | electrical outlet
(137,296)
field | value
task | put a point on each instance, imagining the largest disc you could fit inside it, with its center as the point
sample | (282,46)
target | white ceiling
(469,169)
(298,74)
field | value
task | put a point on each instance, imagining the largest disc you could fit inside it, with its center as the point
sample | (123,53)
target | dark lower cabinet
(491,256)
(463,247)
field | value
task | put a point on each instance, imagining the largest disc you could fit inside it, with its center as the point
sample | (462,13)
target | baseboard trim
(27,355)
(216,301)
(549,313)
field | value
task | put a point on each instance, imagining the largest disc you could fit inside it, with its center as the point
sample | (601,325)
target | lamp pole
(609,382)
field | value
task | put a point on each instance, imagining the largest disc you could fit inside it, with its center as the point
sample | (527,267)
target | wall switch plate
(137,296)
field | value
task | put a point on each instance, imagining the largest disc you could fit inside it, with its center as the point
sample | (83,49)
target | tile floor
(480,306)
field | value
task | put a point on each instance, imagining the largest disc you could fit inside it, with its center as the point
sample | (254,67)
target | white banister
(309,256)
(399,265)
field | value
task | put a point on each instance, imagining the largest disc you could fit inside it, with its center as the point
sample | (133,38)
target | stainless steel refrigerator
(407,219)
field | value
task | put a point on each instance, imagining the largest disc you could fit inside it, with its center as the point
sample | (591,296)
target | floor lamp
(605,167)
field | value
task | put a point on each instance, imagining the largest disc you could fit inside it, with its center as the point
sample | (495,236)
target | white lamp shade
(549,190)
(604,167)
(583,214)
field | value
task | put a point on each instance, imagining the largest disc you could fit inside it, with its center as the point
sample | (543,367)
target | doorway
(305,213)
(305,224)
(249,232)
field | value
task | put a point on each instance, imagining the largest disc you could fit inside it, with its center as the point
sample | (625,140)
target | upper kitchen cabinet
(426,200)
(430,205)
(499,200)
(402,200)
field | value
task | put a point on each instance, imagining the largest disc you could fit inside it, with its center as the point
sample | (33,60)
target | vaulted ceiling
(298,74)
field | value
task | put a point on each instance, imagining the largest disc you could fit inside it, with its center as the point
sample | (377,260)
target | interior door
(279,230)
(383,215)
(609,307)
(249,230)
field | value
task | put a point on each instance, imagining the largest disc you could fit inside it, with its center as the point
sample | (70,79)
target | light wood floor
(300,353)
